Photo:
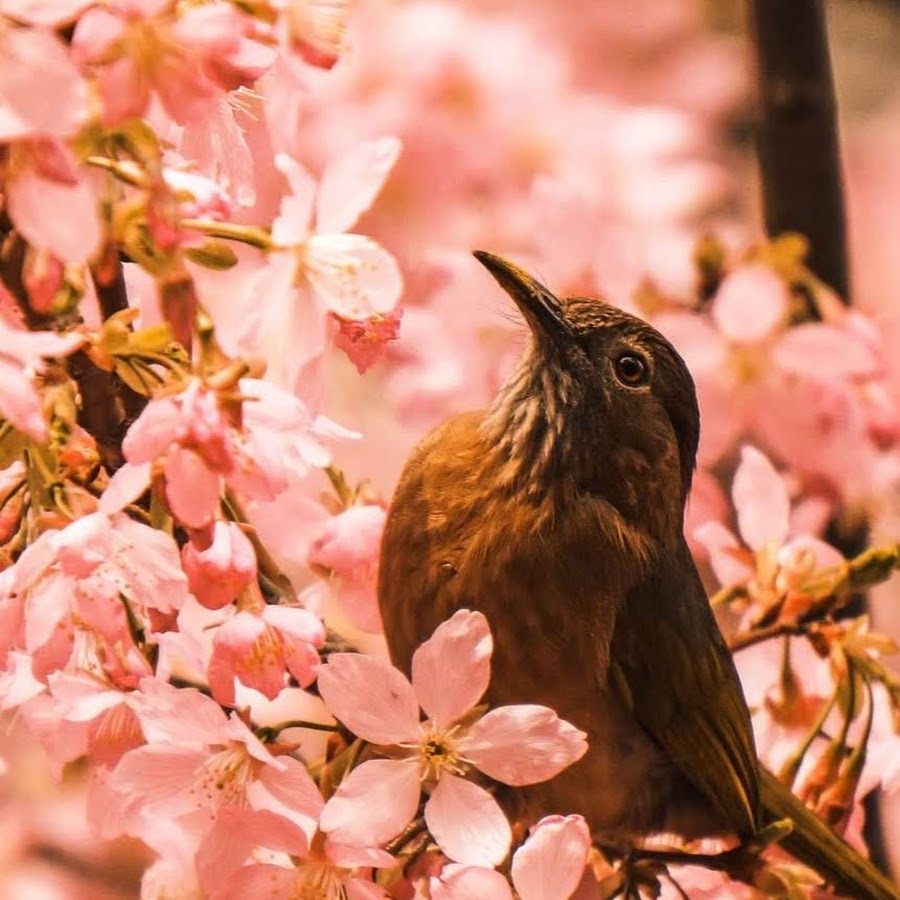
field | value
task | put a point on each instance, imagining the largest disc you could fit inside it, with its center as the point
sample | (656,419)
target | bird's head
(601,397)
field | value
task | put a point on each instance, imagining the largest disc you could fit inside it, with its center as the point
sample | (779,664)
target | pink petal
(462,645)
(695,339)
(20,402)
(467,823)
(370,697)
(357,889)
(271,882)
(817,350)
(48,603)
(347,856)
(351,538)
(161,777)
(192,489)
(761,500)
(61,218)
(458,882)
(724,553)
(523,744)
(293,222)
(41,83)
(351,182)
(128,483)
(289,792)
(824,554)
(750,304)
(84,545)
(153,431)
(551,862)
(354,276)
(373,804)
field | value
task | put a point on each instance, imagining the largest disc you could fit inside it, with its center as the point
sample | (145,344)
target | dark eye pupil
(630,369)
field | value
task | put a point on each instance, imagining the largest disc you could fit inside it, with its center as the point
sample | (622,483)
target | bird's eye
(632,369)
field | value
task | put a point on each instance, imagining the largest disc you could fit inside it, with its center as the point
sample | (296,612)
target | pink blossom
(198,54)
(771,565)
(514,744)
(317,268)
(260,648)
(325,870)
(46,194)
(194,771)
(21,361)
(74,585)
(218,565)
(790,387)
(198,196)
(348,549)
(41,90)
(201,441)
(315,29)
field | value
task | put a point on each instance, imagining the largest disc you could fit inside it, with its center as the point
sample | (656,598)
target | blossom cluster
(206,210)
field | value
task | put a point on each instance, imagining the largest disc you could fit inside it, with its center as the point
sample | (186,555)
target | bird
(558,513)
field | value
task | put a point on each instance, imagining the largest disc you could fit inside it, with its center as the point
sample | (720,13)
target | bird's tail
(817,846)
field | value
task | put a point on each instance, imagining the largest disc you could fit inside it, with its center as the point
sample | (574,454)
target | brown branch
(797,142)
(744,639)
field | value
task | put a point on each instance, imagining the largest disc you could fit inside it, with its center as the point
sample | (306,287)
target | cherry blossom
(218,562)
(347,549)
(195,55)
(819,382)
(197,773)
(201,441)
(317,268)
(81,588)
(326,870)
(514,744)
(773,567)
(260,647)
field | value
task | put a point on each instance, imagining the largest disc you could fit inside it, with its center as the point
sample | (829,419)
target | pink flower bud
(218,572)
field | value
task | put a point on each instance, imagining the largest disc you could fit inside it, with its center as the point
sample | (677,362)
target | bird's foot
(644,867)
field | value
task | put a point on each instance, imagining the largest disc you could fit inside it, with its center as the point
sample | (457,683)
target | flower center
(224,778)
(320,881)
(439,755)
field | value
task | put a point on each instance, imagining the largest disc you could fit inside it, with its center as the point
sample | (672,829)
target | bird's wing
(672,667)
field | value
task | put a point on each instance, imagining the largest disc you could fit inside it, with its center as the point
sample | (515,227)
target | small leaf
(215,255)
(134,379)
(155,339)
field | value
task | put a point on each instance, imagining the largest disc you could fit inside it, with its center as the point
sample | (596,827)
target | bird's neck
(526,435)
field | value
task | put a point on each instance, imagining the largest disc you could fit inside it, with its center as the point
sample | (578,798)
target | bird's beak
(541,309)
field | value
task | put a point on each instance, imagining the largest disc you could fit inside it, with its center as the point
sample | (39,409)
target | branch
(797,143)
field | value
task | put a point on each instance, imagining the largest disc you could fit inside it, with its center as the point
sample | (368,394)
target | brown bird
(558,513)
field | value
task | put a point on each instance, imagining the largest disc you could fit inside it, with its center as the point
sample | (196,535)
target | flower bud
(218,571)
